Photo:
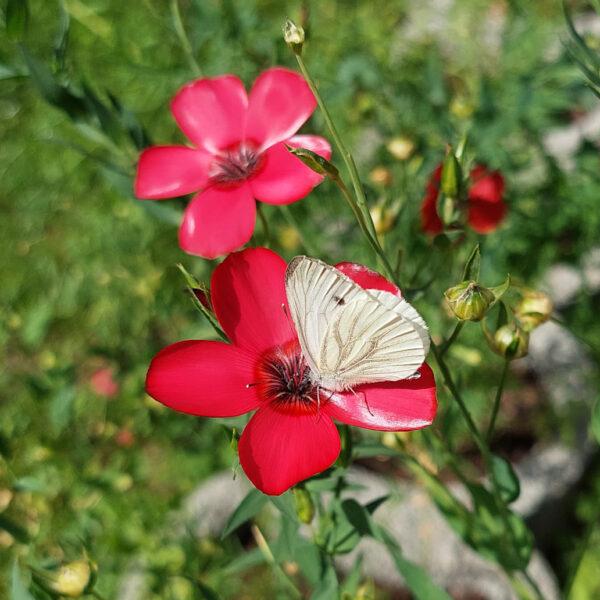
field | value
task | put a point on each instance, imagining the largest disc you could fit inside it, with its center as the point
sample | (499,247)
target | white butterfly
(349,335)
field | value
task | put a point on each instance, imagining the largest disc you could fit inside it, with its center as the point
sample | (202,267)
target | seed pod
(534,309)
(511,341)
(72,579)
(401,147)
(305,508)
(469,301)
(383,219)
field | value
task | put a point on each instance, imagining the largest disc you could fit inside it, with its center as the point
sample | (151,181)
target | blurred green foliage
(88,273)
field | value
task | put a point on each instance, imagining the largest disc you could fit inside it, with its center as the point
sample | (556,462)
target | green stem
(183,38)
(497,400)
(346,155)
(292,222)
(446,345)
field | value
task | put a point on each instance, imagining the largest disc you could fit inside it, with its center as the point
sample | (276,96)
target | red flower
(103,383)
(485,207)
(239,156)
(289,438)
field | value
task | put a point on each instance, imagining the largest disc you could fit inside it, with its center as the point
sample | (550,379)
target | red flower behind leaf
(239,156)
(291,436)
(486,208)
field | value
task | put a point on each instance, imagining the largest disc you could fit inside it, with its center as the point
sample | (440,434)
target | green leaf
(248,508)
(327,587)
(473,265)
(61,408)
(595,425)
(205,592)
(506,479)
(244,561)
(369,449)
(16,15)
(18,590)
(417,579)
(501,289)
(285,505)
(61,41)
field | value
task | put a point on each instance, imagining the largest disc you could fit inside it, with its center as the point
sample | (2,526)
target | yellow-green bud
(72,579)
(315,162)
(381,176)
(534,309)
(401,148)
(294,36)
(305,508)
(469,301)
(451,176)
(383,219)
(511,341)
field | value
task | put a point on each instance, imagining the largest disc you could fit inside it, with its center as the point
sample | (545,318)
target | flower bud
(305,508)
(451,176)
(383,219)
(294,36)
(469,301)
(511,341)
(315,162)
(401,148)
(534,309)
(381,176)
(72,579)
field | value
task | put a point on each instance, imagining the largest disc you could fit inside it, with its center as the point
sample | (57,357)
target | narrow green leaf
(472,266)
(61,408)
(578,39)
(16,16)
(595,424)
(328,587)
(61,41)
(18,590)
(285,505)
(417,579)
(248,508)
(506,479)
(501,289)
(244,561)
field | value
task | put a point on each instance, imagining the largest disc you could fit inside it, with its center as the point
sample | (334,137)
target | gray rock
(562,282)
(591,270)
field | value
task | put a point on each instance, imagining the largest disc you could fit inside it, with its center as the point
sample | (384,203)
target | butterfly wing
(348,336)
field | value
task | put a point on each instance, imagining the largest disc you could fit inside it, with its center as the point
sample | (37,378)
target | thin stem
(446,345)
(262,544)
(497,400)
(346,155)
(291,219)
(183,38)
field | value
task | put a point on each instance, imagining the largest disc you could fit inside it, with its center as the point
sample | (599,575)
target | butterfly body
(350,336)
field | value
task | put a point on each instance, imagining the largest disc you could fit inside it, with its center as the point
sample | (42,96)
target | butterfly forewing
(348,335)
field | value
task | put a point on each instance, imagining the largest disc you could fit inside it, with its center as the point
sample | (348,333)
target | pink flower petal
(283,178)
(367,278)
(278,450)
(248,295)
(217,221)
(485,217)
(168,171)
(212,112)
(201,378)
(280,102)
(392,406)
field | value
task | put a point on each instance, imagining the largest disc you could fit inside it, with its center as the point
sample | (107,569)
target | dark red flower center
(235,164)
(283,379)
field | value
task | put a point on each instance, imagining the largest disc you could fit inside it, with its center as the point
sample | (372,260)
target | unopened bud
(469,301)
(383,219)
(381,176)
(315,162)
(534,309)
(451,176)
(235,438)
(511,341)
(401,148)
(72,579)
(305,508)
(294,36)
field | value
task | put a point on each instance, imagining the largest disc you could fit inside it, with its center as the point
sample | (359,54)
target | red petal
(278,450)
(212,112)
(367,278)
(280,102)
(487,186)
(168,171)
(485,217)
(248,295)
(392,406)
(217,221)
(430,220)
(283,178)
(201,378)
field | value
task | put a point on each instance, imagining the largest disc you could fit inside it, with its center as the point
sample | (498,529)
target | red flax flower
(239,156)
(485,205)
(291,436)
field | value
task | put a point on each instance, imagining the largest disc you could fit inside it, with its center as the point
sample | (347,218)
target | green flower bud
(72,579)
(315,162)
(451,176)
(305,508)
(511,341)
(294,36)
(534,309)
(469,301)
